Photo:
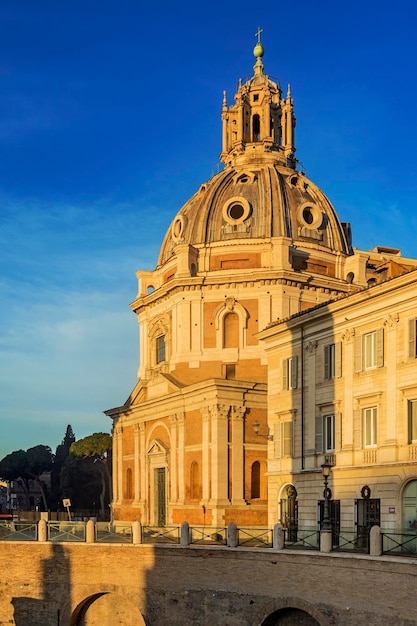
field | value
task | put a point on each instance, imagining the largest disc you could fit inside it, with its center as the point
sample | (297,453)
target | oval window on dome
(177,228)
(310,215)
(236,210)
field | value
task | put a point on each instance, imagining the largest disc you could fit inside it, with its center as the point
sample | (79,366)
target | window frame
(332,360)
(160,348)
(370,413)
(329,420)
(412,420)
(284,439)
(362,348)
(290,373)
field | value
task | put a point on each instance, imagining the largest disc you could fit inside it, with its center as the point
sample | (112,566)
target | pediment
(139,394)
(156,447)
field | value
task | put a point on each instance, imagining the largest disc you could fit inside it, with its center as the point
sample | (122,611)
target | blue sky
(110,121)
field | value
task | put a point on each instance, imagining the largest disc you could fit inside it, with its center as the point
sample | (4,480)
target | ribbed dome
(259,201)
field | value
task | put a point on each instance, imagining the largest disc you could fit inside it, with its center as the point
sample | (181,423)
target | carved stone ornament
(230,303)
(311,346)
(348,334)
(391,320)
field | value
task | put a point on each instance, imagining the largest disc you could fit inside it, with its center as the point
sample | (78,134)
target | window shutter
(412,338)
(277,441)
(285,374)
(358,353)
(410,421)
(357,430)
(326,362)
(379,338)
(319,434)
(294,368)
(287,438)
(338,431)
(338,359)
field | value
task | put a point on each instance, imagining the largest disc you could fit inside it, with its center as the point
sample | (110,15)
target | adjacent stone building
(258,242)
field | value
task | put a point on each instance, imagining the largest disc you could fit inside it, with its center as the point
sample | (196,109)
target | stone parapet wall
(50,584)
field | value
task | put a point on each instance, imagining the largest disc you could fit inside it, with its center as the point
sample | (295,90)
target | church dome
(257,200)
(260,194)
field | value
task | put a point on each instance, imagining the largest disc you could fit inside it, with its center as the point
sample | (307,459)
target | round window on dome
(310,215)
(236,210)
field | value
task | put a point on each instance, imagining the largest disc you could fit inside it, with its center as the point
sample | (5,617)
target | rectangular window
(332,360)
(290,373)
(369,427)
(369,350)
(326,433)
(412,421)
(283,439)
(329,433)
(160,348)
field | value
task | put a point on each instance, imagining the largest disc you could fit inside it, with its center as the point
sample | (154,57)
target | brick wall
(48,584)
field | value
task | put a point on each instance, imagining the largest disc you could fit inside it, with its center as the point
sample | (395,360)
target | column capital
(238,412)
(391,320)
(348,334)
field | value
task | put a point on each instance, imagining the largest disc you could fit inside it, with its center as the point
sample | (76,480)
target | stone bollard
(42,530)
(325,541)
(375,541)
(90,532)
(232,535)
(185,535)
(137,532)
(278,537)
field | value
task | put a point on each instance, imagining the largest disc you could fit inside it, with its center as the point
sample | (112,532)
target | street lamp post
(326,524)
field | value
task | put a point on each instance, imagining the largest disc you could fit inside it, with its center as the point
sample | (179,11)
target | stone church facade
(257,243)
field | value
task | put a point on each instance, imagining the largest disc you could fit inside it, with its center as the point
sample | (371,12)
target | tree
(29,465)
(39,460)
(97,447)
(13,467)
(61,456)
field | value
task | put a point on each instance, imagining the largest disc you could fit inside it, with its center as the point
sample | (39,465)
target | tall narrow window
(255,491)
(412,421)
(129,484)
(369,350)
(329,433)
(332,361)
(290,372)
(195,482)
(231,330)
(160,349)
(256,128)
(370,427)
(283,439)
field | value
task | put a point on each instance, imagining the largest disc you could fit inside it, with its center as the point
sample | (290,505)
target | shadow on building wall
(51,608)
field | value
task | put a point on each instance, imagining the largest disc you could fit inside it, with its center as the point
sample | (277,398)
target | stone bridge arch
(294,612)
(106,609)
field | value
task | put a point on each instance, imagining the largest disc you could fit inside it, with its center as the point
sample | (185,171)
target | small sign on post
(67,503)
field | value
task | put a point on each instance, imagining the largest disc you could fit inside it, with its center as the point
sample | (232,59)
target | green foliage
(13,465)
(96,445)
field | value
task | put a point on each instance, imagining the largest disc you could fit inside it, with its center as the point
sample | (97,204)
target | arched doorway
(106,609)
(290,617)
(410,506)
(289,512)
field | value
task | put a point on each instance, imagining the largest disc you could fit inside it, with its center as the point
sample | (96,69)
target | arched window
(231,330)
(256,128)
(129,484)
(195,483)
(255,490)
